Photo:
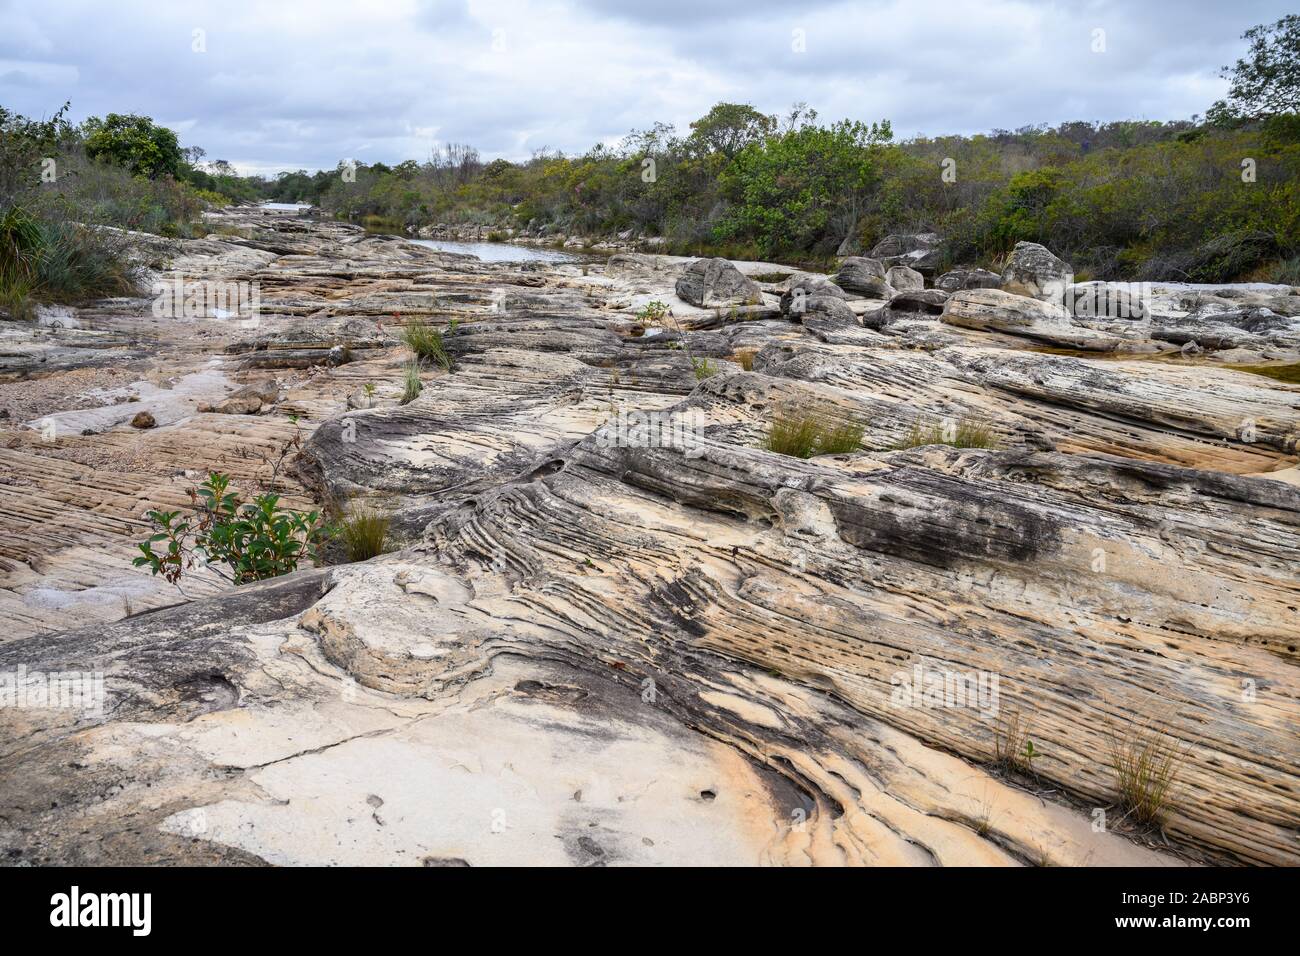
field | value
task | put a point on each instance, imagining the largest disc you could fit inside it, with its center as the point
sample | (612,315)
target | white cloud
(302,84)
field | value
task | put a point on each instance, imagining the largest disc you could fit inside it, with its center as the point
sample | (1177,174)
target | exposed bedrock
(621,629)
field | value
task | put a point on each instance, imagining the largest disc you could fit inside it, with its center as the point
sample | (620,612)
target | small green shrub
(653,312)
(965,433)
(1285,271)
(240,540)
(411,385)
(426,342)
(804,433)
(703,368)
(364,533)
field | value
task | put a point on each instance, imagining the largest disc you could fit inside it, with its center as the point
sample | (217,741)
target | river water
(497,251)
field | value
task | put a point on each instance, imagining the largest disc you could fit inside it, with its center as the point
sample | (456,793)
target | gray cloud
(295,85)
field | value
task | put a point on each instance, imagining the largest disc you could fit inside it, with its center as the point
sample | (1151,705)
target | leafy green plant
(411,385)
(654,312)
(965,433)
(803,433)
(240,540)
(703,368)
(1285,271)
(49,260)
(136,143)
(427,344)
(364,533)
(21,243)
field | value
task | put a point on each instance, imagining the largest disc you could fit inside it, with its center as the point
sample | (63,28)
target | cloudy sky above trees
(287,85)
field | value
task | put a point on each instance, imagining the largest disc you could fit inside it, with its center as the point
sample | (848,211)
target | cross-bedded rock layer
(619,630)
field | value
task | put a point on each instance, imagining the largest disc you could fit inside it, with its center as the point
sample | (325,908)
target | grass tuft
(411,385)
(965,433)
(804,433)
(703,369)
(1146,764)
(427,344)
(1013,750)
(364,533)
(50,260)
(745,359)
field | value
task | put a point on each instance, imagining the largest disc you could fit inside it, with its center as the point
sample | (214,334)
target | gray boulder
(1035,272)
(864,277)
(919,251)
(905,279)
(710,283)
(991,310)
(801,289)
(851,246)
(919,302)
(958,279)
(828,311)
(1104,300)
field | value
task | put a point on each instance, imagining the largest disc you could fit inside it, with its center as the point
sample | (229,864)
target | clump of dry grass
(803,433)
(984,822)
(364,533)
(1146,762)
(965,433)
(794,434)
(745,359)
(411,385)
(1013,750)
(426,342)
(840,439)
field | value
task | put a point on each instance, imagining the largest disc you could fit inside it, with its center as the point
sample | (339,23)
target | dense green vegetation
(1146,200)
(61,187)
(1201,200)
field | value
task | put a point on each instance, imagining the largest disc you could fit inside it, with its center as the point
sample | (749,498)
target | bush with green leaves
(241,540)
(134,142)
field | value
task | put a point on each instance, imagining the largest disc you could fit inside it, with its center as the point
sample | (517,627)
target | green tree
(1266,82)
(135,143)
(805,187)
(728,128)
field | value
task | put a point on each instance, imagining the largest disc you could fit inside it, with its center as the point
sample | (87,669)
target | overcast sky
(287,85)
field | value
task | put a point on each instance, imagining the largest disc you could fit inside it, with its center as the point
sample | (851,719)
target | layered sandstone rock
(617,629)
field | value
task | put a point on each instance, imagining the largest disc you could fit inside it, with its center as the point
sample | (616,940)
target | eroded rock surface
(617,629)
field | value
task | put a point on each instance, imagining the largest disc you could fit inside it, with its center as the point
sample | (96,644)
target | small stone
(143,420)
